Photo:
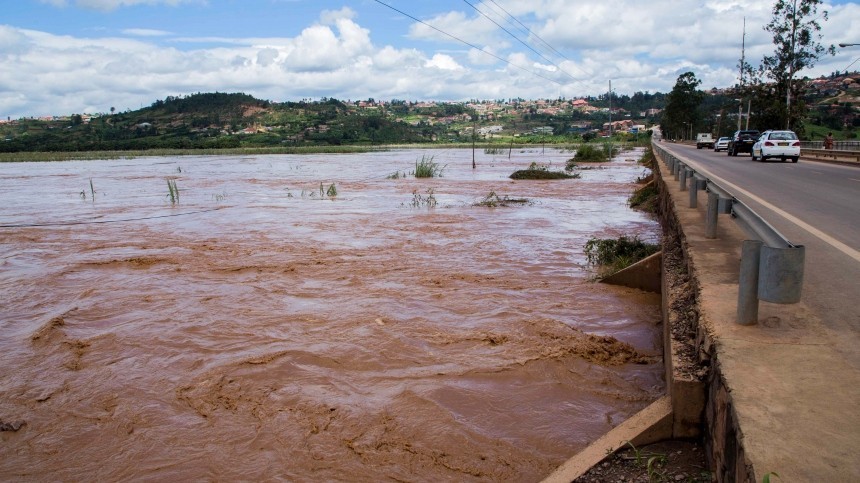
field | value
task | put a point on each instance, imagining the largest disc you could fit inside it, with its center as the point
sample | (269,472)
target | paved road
(812,204)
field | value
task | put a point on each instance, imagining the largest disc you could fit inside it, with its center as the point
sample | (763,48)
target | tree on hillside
(796,38)
(682,107)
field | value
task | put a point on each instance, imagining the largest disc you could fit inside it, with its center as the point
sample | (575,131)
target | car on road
(722,144)
(742,142)
(704,140)
(776,144)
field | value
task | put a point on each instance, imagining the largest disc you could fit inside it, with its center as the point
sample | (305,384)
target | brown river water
(255,331)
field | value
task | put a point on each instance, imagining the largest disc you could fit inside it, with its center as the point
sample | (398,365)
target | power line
(468,43)
(520,41)
(532,34)
(528,30)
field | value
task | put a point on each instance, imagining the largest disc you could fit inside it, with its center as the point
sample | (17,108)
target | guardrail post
(748,282)
(684,173)
(695,184)
(711,214)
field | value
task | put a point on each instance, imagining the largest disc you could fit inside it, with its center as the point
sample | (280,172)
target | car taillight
(796,143)
(768,143)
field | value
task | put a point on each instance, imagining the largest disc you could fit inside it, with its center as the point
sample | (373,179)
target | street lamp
(847,45)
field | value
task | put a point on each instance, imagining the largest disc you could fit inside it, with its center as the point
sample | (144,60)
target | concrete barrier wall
(700,398)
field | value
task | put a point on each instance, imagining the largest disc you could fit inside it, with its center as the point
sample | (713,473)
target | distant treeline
(236,120)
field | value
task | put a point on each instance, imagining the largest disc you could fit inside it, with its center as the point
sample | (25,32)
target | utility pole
(743,51)
(790,67)
(743,58)
(740,112)
(610,112)
(474,133)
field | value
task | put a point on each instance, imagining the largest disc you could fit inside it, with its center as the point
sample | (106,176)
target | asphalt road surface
(812,204)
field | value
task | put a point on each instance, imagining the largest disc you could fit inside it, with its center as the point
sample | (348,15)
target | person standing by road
(828,141)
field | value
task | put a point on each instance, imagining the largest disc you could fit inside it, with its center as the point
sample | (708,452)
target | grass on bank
(645,198)
(610,255)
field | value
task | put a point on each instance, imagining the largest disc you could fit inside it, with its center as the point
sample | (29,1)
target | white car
(722,144)
(777,144)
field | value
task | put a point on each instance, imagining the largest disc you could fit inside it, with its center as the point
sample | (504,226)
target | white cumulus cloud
(639,47)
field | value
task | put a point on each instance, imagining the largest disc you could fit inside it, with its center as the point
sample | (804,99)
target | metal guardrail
(771,266)
(837,145)
(831,154)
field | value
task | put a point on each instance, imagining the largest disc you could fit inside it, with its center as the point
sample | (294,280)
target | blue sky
(71,56)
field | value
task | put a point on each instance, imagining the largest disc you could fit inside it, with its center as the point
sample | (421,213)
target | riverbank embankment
(775,397)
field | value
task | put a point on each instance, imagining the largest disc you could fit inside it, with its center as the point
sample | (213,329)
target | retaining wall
(698,402)
(688,334)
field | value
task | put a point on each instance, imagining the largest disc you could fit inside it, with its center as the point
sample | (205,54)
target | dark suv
(742,142)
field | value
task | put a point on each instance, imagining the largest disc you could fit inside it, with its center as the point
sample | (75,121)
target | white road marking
(855,254)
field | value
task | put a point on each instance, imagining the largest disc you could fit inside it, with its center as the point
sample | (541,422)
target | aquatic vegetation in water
(428,168)
(83,193)
(495,150)
(493,200)
(172,191)
(542,171)
(428,200)
(331,192)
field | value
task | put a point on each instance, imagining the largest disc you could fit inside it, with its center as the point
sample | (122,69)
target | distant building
(489,130)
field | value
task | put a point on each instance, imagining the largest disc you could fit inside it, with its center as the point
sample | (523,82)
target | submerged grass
(83,193)
(495,151)
(610,255)
(542,171)
(428,200)
(427,167)
(493,200)
(172,191)
(588,153)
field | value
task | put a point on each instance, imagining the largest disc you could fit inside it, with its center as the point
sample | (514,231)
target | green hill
(212,120)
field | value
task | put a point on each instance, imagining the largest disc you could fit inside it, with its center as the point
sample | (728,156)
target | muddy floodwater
(257,329)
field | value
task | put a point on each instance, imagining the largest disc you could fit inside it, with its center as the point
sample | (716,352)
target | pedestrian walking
(828,141)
